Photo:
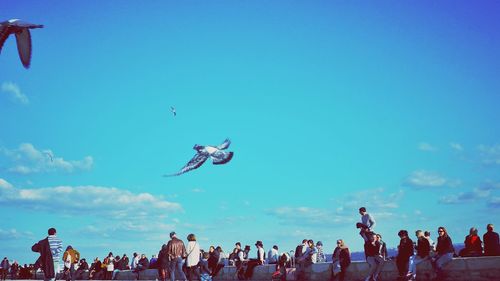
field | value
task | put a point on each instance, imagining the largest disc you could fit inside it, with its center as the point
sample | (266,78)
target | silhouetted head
(52,231)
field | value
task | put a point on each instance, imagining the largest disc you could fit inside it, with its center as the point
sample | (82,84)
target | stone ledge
(459,269)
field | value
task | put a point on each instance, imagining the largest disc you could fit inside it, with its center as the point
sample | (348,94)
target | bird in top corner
(23,37)
(217,153)
(173,111)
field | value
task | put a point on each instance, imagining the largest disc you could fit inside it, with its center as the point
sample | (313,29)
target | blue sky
(330,106)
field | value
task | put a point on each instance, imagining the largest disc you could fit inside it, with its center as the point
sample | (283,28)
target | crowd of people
(179,261)
(424,249)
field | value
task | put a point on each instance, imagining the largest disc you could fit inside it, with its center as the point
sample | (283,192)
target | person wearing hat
(176,253)
(252,263)
(405,251)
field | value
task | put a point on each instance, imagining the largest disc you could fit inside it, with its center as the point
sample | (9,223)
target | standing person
(193,257)
(50,250)
(341,259)
(366,225)
(373,257)
(473,244)
(163,263)
(320,256)
(110,266)
(444,252)
(423,253)
(405,251)
(491,242)
(5,265)
(70,257)
(176,252)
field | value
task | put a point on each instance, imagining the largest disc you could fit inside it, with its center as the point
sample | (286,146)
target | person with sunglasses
(445,252)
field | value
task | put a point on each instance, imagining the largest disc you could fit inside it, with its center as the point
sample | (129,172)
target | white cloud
(426,147)
(14,234)
(489,155)
(73,200)
(487,192)
(421,179)
(14,91)
(27,159)
(464,197)
(4,184)
(197,190)
(456,146)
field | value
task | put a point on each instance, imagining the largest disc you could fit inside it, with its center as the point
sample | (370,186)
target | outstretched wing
(194,163)
(23,39)
(221,157)
(224,145)
(4,34)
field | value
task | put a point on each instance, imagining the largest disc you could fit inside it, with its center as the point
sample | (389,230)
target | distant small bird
(23,37)
(216,153)
(50,156)
(173,111)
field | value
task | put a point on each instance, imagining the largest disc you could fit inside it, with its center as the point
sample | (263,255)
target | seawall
(459,269)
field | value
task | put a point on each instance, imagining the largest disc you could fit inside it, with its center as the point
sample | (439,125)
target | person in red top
(473,245)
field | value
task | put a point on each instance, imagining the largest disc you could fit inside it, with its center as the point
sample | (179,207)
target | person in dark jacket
(96,270)
(473,245)
(142,265)
(423,251)
(373,256)
(163,263)
(213,259)
(46,261)
(82,267)
(176,253)
(444,252)
(341,259)
(405,251)
(491,242)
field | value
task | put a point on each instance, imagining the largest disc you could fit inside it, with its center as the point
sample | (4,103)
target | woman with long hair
(444,251)
(341,261)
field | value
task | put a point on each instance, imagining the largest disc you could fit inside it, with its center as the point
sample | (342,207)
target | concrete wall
(466,269)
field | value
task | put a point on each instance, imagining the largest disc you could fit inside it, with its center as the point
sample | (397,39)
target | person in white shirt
(193,257)
(273,255)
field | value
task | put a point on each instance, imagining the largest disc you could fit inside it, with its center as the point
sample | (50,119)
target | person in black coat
(163,263)
(341,259)
(405,251)
(45,261)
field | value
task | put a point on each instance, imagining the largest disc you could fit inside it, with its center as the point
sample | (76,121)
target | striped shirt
(55,247)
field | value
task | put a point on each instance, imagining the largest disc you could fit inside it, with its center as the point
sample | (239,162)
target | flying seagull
(23,37)
(50,156)
(173,111)
(217,153)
